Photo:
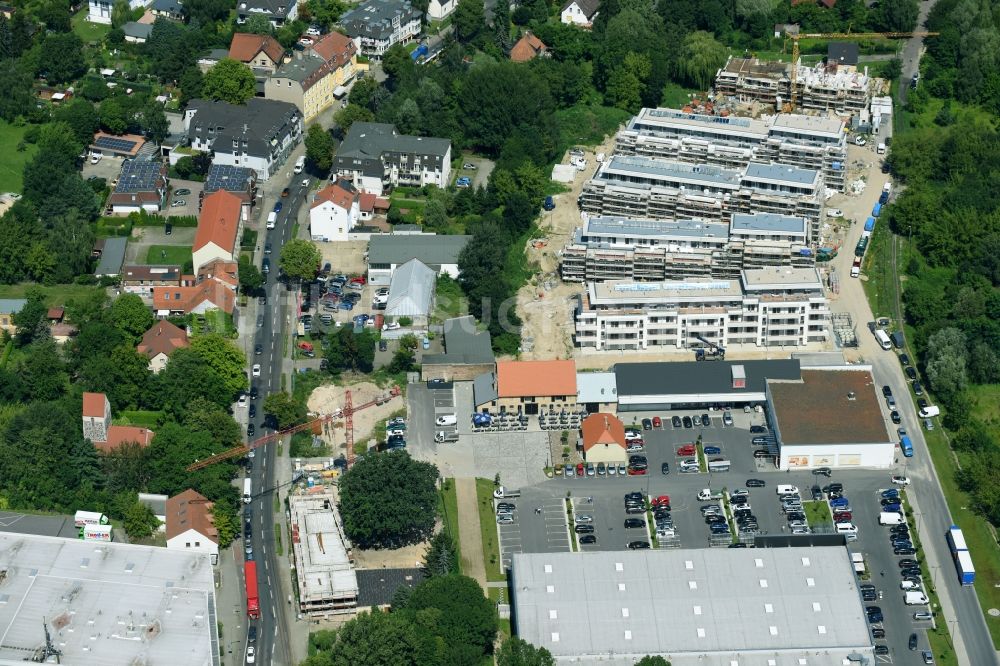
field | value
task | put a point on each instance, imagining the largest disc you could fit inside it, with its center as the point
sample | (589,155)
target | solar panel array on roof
(113,143)
(139,176)
(228,177)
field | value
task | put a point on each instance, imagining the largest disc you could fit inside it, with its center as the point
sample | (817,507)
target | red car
(360,279)
(656,422)
(662,499)
(579,470)
(636,471)
(842,516)
(686,450)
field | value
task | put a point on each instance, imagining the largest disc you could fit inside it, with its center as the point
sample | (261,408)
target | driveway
(481,174)
(149,236)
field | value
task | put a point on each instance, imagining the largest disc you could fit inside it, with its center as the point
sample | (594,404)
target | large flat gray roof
(106,603)
(431,249)
(768,222)
(781,173)
(668,170)
(712,605)
(654,228)
(691,377)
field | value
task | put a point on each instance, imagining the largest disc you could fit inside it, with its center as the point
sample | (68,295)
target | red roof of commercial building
(219,221)
(602,429)
(517,379)
(190,510)
(93,404)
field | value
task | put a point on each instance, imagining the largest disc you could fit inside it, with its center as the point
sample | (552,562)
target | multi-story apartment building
(374,156)
(645,187)
(313,80)
(770,307)
(836,87)
(377,25)
(809,142)
(609,248)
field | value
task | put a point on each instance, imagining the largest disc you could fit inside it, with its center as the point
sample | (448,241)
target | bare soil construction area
(330,399)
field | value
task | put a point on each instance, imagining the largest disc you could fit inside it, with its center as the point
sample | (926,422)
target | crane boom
(853,36)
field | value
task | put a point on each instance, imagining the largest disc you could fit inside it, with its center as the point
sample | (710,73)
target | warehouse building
(764,308)
(615,248)
(704,607)
(645,187)
(105,604)
(829,418)
(809,142)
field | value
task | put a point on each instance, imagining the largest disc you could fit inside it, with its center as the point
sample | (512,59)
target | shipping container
(966,572)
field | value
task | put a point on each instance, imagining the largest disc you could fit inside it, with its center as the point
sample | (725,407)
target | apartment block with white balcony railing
(770,307)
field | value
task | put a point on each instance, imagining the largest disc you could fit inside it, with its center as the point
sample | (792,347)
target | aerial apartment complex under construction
(821,87)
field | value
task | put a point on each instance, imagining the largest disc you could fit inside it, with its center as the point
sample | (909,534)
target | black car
(634,495)
(881,649)
(904,359)
(755,483)
(917,388)
(714,519)
(258,350)
(889,500)
(584,529)
(383,345)
(913,642)
(757,429)
(168,228)
(647,424)
(911,373)
(795,515)
(904,551)
(896,418)
(638,545)
(675,421)
(875,617)
(908,563)
(254,394)
(887,391)
(634,523)
(817,493)
(834,488)
(687,422)
(665,469)
(921,404)
(759,440)
(253,411)
(637,460)
(588,538)
(878,632)
(250,430)
(705,421)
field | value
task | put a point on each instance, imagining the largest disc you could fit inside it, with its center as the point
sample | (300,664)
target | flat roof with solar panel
(140,176)
(229,178)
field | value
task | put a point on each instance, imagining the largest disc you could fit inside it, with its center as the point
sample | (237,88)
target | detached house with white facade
(579,12)
(278,12)
(191,525)
(375,157)
(259,135)
(334,212)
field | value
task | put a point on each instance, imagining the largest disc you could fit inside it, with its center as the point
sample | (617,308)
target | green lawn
(87,31)
(58,294)
(12,164)
(169,254)
(488,526)
(584,125)
(818,513)
(148,419)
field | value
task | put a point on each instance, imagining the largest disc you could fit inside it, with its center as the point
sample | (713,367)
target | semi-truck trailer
(253,603)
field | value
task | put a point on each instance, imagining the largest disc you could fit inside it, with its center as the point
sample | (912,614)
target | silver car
(584,518)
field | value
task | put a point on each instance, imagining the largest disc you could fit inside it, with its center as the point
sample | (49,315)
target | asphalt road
(911,52)
(269,335)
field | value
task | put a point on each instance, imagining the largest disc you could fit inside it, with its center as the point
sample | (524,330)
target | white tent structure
(411,292)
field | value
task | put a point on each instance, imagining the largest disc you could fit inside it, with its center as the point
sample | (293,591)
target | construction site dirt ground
(329,399)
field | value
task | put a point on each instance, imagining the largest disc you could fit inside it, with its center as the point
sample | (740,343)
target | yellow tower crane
(850,36)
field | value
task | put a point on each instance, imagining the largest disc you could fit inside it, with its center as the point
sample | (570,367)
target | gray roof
(259,122)
(12,305)
(371,140)
(781,172)
(168,6)
(375,18)
(596,387)
(138,30)
(112,257)
(710,606)
(842,53)
(301,67)
(124,604)
(670,171)
(377,587)
(768,222)
(464,343)
(273,8)
(692,377)
(431,249)
(53,526)
(411,291)
(140,176)
(484,388)
(604,225)
(229,178)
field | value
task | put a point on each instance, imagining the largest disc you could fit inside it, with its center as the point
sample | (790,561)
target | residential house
(112,257)
(277,11)
(60,330)
(142,279)
(377,25)
(224,272)
(241,181)
(117,145)
(159,342)
(439,9)
(313,80)
(374,157)
(372,205)
(142,185)
(97,426)
(259,135)
(334,212)
(211,294)
(219,227)
(387,252)
(136,32)
(528,48)
(603,437)
(191,525)
(579,12)
(8,308)
(99,11)
(168,9)
(526,386)
(260,52)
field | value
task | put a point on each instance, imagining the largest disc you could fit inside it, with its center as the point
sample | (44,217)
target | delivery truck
(889,518)
(960,553)
(503,492)
(96,533)
(89,518)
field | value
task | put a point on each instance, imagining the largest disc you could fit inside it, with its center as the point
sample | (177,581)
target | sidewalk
(470,536)
(230,605)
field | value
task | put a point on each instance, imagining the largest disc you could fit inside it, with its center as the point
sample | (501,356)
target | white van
(272,219)
(787,490)
(880,149)
(847,528)
(447,419)
(929,411)
(915,598)
(889,518)
(883,339)
(300,164)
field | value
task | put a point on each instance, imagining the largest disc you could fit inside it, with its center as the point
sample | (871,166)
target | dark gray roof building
(378,19)
(432,250)
(258,123)
(169,8)
(484,389)
(842,53)
(377,587)
(277,11)
(463,340)
(112,257)
(371,148)
(138,32)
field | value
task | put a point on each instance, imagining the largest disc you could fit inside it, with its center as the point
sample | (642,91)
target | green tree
(628,82)
(435,214)
(258,24)
(442,557)
(466,619)
(701,57)
(895,15)
(42,372)
(388,500)
(17,99)
(348,350)
(649,660)
(153,122)
(319,149)
(377,639)
(125,468)
(140,522)
(131,316)
(351,114)
(251,279)
(30,319)
(946,361)
(61,58)
(469,20)
(224,358)
(120,13)
(300,259)
(82,118)
(285,409)
(226,523)
(191,82)
(229,81)
(517,652)
(187,378)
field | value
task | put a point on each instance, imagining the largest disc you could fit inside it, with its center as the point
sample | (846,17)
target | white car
(251,654)
(256,370)
(305,183)
(901,480)
(390,326)
(584,518)
(243,400)
(96,157)
(469,165)
(860,140)
(834,212)
(634,448)
(178,202)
